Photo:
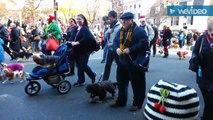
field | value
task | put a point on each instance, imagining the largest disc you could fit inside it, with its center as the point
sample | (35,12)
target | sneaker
(134,108)
(77,84)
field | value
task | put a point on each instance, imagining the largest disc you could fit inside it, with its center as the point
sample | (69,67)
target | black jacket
(205,60)
(4,34)
(15,43)
(156,34)
(84,37)
(166,38)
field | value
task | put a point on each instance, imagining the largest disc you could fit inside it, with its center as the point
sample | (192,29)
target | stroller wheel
(64,87)
(32,88)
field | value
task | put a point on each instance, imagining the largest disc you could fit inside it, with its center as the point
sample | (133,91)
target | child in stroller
(52,69)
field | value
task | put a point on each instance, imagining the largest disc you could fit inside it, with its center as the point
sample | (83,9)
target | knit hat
(142,18)
(171,101)
(51,18)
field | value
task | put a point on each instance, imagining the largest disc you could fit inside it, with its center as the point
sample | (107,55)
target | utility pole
(55,9)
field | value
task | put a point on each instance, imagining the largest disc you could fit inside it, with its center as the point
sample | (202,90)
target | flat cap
(127,16)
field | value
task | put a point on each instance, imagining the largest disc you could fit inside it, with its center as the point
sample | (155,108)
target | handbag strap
(130,57)
(201,46)
(77,34)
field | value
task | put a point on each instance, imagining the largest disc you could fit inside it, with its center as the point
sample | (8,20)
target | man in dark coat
(130,42)
(15,43)
(153,41)
(4,35)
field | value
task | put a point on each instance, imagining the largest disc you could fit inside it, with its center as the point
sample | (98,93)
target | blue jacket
(1,51)
(138,45)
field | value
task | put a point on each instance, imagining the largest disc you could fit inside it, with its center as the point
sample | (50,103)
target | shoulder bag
(142,60)
(193,62)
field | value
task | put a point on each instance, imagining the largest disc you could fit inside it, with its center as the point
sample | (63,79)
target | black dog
(100,89)
(22,55)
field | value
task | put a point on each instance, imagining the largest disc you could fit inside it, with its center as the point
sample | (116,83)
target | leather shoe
(103,61)
(77,84)
(116,105)
(94,78)
(134,108)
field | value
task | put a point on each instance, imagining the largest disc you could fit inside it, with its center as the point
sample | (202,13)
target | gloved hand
(74,43)
(69,44)
(118,51)
(126,51)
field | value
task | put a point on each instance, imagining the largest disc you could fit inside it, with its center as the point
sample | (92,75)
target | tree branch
(38,5)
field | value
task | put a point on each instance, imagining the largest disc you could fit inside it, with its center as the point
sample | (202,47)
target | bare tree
(158,13)
(3,10)
(92,11)
(30,8)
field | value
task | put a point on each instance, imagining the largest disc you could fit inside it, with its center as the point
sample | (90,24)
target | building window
(183,3)
(177,21)
(130,7)
(125,7)
(174,21)
(190,20)
(139,15)
(134,6)
(139,6)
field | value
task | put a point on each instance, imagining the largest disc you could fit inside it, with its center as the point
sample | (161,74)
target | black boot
(72,71)
(12,56)
(166,55)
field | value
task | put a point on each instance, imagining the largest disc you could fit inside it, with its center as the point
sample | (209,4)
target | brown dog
(12,71)
(182,55)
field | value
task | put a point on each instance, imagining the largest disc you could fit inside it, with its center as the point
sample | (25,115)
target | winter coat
(84,37)
(69,32)
(166,38)
(4,34)
(205,60)
(139,44)
(110,37)
(35,33)
(15,42)
(54,29)
(1,51)
(156,34)
(181,36)
(149,32)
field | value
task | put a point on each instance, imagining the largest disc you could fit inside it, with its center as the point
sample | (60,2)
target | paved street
(49,105)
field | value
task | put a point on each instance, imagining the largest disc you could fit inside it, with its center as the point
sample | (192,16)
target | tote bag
(52,44)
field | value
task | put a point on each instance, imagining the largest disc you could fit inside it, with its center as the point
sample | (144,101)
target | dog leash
(100,77)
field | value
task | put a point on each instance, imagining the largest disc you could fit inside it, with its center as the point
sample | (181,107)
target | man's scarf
(124,43)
